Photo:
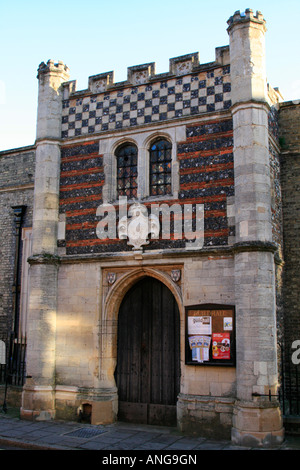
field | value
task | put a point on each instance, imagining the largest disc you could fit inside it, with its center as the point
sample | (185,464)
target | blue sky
(93,37)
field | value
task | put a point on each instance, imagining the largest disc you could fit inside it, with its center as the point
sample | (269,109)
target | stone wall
(86,334)
(77,324)
(205,174)
(289,120)
(16,188)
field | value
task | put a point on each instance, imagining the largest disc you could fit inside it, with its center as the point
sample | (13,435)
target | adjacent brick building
(169,316)
(16,191)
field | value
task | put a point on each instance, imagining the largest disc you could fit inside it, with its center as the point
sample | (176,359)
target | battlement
(187,89)
(247,16)
(51,66)
(145,73)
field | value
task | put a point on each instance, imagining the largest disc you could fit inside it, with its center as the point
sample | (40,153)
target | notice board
(210,335)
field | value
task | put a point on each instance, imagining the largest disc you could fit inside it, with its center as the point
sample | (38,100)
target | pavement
(62,435)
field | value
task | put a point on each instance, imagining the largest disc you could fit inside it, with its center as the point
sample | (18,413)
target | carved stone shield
(111,278)
(175,275)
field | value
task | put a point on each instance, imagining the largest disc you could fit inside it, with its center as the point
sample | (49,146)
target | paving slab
(61,435)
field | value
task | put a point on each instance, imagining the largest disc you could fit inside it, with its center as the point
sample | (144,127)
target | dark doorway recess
(148,361)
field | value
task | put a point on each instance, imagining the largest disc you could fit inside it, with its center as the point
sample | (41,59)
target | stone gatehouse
(170,316)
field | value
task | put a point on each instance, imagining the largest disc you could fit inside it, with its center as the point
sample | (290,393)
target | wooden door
(148,362)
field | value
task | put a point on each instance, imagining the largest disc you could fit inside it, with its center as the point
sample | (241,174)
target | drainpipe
(19,212)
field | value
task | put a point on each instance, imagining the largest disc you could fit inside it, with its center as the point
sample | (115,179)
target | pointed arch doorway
(148,354)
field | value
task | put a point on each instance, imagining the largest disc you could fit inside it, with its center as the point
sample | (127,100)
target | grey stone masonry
(46,192)
(16,189)
(38,392)
(256,370)
(289,119)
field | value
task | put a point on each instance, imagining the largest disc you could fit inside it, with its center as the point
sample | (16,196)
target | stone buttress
(38,394)
(256,419)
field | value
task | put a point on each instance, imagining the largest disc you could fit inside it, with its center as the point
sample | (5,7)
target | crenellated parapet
(139,74)
(187,89)
(52,67)
(100,82)
(143,73)
(245,17)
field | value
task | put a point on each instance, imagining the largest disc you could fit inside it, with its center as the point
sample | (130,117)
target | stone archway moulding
(110,310)
(116,294)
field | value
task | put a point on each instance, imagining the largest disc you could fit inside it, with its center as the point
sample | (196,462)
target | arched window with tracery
(126,156)
(160,167)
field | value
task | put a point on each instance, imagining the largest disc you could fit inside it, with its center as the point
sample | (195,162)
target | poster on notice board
(210,335)
(221,345)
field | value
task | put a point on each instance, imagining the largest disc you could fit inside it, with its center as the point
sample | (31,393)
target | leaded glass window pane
(127,171)
(160,168)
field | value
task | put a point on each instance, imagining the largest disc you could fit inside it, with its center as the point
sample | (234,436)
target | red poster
(221,345)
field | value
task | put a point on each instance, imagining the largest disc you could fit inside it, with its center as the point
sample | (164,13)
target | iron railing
(2,373)
(290,385)
(14,371)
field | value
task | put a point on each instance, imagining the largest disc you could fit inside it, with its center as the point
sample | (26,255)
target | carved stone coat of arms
(138,227)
